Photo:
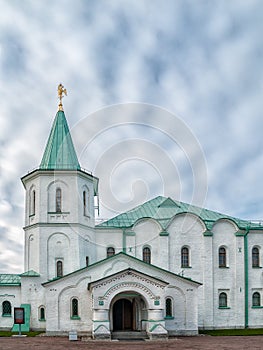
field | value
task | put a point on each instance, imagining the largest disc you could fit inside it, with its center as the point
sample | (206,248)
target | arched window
(110,251)
(74,307)
(223,299)
(6,308)
(84,203)
(32,203)
(222,257)
(59,268)
(255,257)
(168,308)
(256,299)
(185,257)
(58,200)
(146,255)
(42,316)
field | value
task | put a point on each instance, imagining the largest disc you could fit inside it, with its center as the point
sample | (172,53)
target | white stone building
(163,268)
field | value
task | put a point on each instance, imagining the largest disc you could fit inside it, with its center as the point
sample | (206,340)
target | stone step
(129,335)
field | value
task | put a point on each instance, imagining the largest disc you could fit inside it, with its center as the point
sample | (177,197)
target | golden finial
(61,91)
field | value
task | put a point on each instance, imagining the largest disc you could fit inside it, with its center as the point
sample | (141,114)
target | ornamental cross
(61,91)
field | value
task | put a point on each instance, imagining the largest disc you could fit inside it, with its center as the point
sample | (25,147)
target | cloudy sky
(164,98)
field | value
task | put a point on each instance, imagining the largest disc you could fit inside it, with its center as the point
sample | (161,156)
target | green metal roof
(163,209)
(10,280)
(30,273)
(60,152)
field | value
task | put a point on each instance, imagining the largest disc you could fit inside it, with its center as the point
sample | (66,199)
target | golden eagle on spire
(61,91)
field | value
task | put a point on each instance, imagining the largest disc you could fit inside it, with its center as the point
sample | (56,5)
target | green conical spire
(60,153)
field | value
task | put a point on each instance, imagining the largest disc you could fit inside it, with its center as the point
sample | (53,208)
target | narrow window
(58,200)
(6,308)
(42,313)
(87,261)
(222,257)
(223,299)
(59,268)
(110,251)
(33,203)
(74,308)
(256,299)
(185,257)
(146,255)
(255,257)
(168,307)
(84,203)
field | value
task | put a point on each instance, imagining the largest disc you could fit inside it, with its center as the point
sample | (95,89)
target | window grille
(146,255)
(255,257)
(75,308)
(184,257)
(6,308)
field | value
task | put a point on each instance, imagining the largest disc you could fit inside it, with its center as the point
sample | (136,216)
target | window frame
(58,202)
(185,257)
(223,300)
(40,316)
(256,297)
(255,257)
(222,255)
(110,251)
(6,304)
(147,255)
(73,314)
(59,268)
(169,306)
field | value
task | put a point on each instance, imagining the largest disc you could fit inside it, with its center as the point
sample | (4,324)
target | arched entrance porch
(128,312)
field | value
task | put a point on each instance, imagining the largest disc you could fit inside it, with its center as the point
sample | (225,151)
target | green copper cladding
(163,210)
(60,153)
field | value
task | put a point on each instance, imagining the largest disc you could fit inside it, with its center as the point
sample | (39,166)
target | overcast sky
(164,98)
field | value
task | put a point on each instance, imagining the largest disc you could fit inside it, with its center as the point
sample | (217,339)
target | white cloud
(200,60)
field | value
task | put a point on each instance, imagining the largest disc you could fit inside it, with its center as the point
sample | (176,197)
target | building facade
(163,268)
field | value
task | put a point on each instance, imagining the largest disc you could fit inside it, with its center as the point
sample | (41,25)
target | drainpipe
(246,275)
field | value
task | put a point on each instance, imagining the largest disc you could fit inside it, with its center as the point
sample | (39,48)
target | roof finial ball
(61,91)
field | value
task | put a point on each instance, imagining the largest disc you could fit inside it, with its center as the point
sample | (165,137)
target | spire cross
(61,91)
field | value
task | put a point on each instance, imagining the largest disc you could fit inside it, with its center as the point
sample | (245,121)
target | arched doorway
(123,315)
(128,312)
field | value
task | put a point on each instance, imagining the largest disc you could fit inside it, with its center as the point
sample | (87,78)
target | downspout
(246,275)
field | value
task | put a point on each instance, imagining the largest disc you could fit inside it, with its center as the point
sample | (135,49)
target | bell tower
(59,210)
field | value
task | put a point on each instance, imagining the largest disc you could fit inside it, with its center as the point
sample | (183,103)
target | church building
(164,268)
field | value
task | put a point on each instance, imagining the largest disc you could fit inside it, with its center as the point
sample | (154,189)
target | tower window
(6,308)
(256,299)
(185,257)
(59,268)
(223,300)
(33,202)
(58,200)
(255,257)
(87,261)
(222,257)
(110,251)
(84,203)
(146,255)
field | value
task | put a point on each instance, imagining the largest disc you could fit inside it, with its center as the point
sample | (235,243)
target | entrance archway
(123,315)
(128,312)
